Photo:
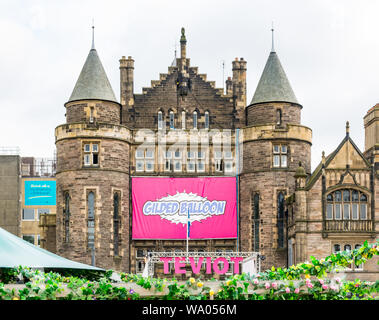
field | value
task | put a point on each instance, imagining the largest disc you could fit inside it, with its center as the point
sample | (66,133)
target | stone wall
(10,193)
(263,113)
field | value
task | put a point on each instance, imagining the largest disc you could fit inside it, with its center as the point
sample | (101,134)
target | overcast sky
(328,49)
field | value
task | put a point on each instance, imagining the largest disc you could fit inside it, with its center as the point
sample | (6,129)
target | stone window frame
(66,216)
(91,153)
(332,201)
(343,245)
(90,221)
(206,119)
(171,115)
(281,220)
(184,116)
(195,119)
(256,220)
(160,120)
(144,159)
(117,239)
(280,154)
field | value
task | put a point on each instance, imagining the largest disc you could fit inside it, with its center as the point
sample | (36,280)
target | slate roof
(93,82)
(273,85)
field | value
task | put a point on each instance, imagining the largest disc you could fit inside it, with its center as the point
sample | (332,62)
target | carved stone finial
(347,127)
(183,37)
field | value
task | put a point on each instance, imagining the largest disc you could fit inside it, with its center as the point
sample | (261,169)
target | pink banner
(162,208)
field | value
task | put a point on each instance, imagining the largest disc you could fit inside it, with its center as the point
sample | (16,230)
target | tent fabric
(15,251)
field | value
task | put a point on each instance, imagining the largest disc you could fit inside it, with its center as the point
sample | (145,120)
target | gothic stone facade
(280,215)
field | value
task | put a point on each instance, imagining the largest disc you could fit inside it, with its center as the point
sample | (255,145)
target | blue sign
(40,193)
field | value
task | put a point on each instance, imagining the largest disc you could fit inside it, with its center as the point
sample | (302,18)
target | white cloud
(328,49)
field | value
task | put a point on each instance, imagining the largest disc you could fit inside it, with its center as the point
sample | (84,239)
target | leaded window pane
(347,247)
(363,198)
(337,211)
(346,211)
(329,211)
(284,161)
(337,248)
(346,195)
(337,196)
(363,211)
(276,161)
(354,195)
(355,211)
(329,197)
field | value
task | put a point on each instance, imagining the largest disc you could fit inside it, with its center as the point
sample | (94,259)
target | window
(29,238)
(91,220)
(145,159)
(255,217)
(278,117)
(206,124)
(168,156)
(183,120)
(191,165)
(116,223)
(177,165)
(195,120)
(27,214)
(91,115)
(177,154)
(280,220)
(42,211)
(66,216)
(346,204)
(348,247)
(172,119)
(280,153)
(160,120)
(91,154)
(228,166)
(200,166)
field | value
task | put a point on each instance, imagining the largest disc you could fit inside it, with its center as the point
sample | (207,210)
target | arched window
(195,120)
(116,223)
(346,204)
(255,208)
(160,120)
(206,120)
(91,220)
(183,120)
(172,120)
(281,220)
(66,217)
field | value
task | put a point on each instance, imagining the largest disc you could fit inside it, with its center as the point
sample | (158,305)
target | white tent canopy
(15,252)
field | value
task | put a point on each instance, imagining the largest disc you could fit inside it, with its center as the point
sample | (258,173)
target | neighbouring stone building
(26,209)
(285,211)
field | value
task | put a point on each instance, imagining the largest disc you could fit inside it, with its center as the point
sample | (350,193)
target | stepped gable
(164,95)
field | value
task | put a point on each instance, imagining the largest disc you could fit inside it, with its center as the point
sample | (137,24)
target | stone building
(279,203)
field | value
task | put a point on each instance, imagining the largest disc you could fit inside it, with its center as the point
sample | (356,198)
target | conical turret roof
(93,82)
(273,85)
